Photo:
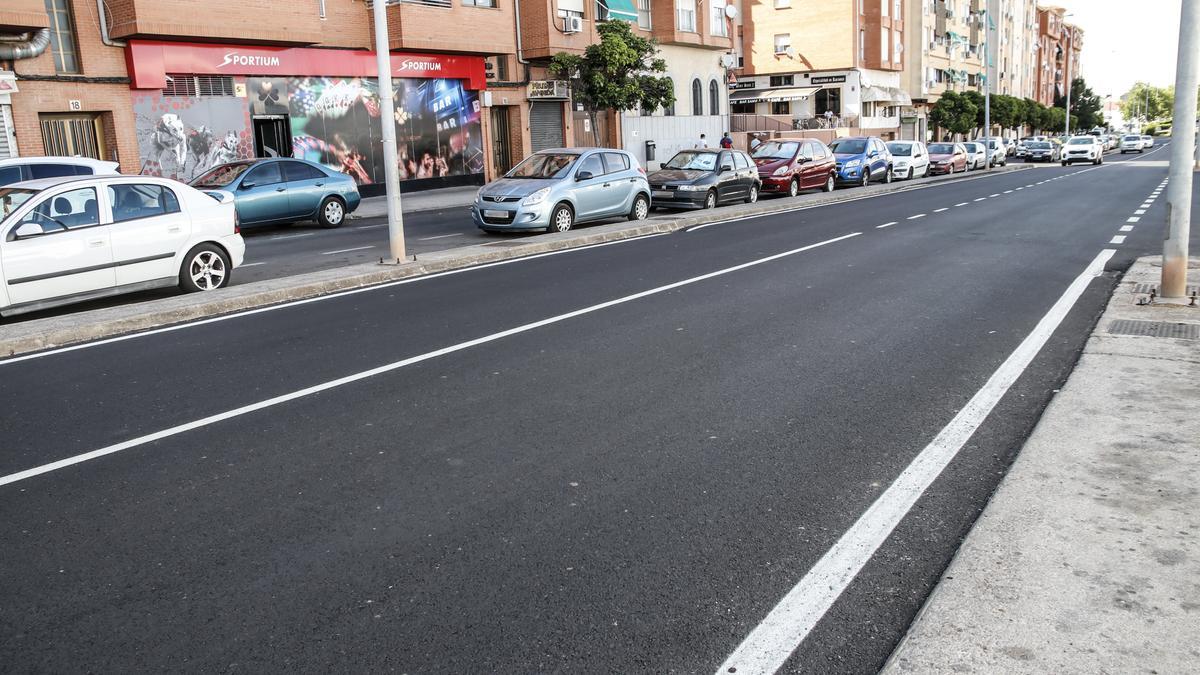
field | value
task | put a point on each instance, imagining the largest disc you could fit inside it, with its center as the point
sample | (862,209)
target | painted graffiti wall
(181,137)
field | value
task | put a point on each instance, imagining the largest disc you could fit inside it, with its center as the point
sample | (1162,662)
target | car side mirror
(246,185)
(726,167)
(802,160)
(26,230)
(583,175)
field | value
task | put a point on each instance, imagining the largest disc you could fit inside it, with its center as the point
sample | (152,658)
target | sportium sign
(149,62)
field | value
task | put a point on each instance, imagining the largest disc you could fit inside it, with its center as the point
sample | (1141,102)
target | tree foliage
(1085,106)
(954,112)
(620,72)
(1147,102)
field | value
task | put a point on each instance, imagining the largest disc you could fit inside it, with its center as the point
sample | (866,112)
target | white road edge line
(251,264)
(880,227)
(1119,239)
(396,365)
(347,250)
(1126,228)
(441,236)
(770,644)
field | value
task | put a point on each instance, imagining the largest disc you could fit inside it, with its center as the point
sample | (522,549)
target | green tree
(1085,105)
(620,72)
(954,112)
(1032,114)
(1006,112)
(1147,102)
(1053,120)
(976,99)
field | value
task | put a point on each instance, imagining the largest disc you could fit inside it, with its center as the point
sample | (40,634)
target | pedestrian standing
(726,141)
(754,142)
(702,143)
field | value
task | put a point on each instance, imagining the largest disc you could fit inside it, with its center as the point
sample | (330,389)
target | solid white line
(1119,239)
(1132,219)
(1139,212)
(441,236)
(962,204)
(919,215)
(944,208)
(396,365)
(880,227)
(347,250)
(770,644)
(252,264)
(290,236)
(981,199)
(1126,228)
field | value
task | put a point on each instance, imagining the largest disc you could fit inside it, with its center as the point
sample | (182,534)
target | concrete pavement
(1086,558)
(427,200)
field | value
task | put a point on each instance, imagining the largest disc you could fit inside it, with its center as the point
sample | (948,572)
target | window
(897,48)
(741,108)
(479,3)
(783,42)
(65,211)
(71,135)
(716,19)
(643,10)
(868,109)
(884,44)
(62,36)
(301,171)
(615,162)
(883,8)
(714,98)
(130,202)
(783,4)
(782,80)
(593,164)
(697,98)
(198,85)
(266,174)
(724,160)
(740,162)
(670,110)
(862,45)
(781,107)
(829,99)
(806,152)
(10,175)
(685,15)
(51,170)
(820,151)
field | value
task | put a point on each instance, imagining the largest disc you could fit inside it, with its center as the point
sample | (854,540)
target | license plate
(495,214)
(663,193)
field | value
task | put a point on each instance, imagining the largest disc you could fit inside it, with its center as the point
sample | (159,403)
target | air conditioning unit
(573,24)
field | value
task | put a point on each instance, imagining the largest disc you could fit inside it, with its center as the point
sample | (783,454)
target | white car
(17,169)
(70,239)
(976,155)
(1131,142)
(1147,141)
(910,159)
(1083,149)
(998,151)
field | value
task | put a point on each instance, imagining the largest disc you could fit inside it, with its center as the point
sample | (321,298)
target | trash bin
(649,152)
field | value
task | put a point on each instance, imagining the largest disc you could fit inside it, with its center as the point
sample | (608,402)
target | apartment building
(811,65)
(1014,47)
(1060,45)
(944,48)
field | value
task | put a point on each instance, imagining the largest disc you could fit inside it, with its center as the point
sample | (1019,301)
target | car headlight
(693,188)
(781,171)
(901,164)
(536,197)
(851,163)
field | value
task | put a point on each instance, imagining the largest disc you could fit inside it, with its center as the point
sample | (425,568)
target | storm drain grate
(1146,288)
(1163,329)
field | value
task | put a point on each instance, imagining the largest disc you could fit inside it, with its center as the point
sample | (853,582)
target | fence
(748,122)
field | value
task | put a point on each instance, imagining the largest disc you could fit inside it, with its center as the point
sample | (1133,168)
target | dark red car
(947,158)
(789,165)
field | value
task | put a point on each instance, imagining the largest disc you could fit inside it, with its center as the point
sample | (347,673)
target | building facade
(945,53)
(1014,47)
(1060,46)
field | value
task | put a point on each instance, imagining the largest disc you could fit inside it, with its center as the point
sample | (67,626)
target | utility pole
(987,89)
(1183,132)
(387,118)
(1067,69)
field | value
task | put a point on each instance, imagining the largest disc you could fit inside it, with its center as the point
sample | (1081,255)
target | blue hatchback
(275,191)
(861,159)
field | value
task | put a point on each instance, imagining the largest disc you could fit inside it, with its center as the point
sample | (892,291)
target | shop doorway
(272,136)
(501,155)
(545,125)
(72,135)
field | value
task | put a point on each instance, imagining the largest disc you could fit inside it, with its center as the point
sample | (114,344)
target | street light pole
(987,90)
(1067,70)
(387,118)
(1183,132)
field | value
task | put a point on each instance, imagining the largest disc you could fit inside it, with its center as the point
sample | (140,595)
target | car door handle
(96,243)
(175,228)
(279,189)
(319,184)
(608,185)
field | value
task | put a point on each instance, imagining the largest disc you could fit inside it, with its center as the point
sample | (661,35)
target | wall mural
(181,137)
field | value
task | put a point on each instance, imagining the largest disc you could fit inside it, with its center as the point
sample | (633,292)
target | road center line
(962,203)
(770,644)
(1132,219)
(1139,212)
(1009,191)
(996,194)
(1126,228)
(289,236)
(880,227)
(347,250)
(981,199)
(396,365)
(944,208)
(1118,239)
(441,236)
(919,215)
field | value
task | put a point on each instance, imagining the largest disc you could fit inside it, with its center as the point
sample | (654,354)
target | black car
(703,178)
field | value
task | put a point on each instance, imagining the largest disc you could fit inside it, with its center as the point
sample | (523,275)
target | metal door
(546,125)
(501,157)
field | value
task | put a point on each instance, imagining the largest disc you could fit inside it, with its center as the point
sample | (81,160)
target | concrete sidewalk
(427,200)
(1087,558)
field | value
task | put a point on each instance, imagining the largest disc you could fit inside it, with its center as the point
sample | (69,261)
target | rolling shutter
(546,125)
(8,144)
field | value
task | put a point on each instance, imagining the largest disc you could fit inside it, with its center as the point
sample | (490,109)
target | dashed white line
(1009,191)
(944,208)
(291,236)
(1020,188)
(1127,228)
(880,227)
(1030,185)
(919,215)
(981,199)
(962,203)
(440,236)
(347,250)
(1139,212)
(1119,239)
(1132,219)
(996,194)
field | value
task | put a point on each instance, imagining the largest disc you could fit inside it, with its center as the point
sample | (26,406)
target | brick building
(1059,47)
(944,52)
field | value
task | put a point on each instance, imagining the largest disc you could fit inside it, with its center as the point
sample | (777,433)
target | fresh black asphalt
(630,490)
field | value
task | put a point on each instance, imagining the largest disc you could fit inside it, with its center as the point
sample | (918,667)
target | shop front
(199,105)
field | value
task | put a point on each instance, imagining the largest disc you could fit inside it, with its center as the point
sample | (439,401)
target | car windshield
(973,147)
(544,165)
(699,161)
(849,147)
(1133,138)
(900,149)
(1081,141)
(222,175)
(776,150)
(941,149)
(1038,145)
(12,198)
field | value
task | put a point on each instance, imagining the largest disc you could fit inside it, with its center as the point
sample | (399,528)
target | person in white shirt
(702,143)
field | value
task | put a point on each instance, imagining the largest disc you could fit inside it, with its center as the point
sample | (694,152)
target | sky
(1125,41)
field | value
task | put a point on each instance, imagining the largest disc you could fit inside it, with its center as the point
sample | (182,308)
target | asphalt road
(613,459)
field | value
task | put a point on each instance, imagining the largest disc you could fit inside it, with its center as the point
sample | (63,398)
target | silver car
(552,190)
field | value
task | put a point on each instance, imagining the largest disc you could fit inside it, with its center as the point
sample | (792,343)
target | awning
(621,9)
(893,95)
(771,95)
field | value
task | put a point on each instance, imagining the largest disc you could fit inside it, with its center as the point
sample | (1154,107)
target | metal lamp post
(387,115)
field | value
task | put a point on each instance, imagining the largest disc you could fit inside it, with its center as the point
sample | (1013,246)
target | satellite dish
(728,60)
(731,11)
(791,52)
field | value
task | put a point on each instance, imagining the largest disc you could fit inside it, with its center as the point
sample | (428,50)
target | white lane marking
(368,227)
(1147,205)
(770,644)
(1132,219)
(1020,188)
(320,298)
(1030,185)
(441,236)
(944,208)
(1119,239)
(290,236)
(347,250)
(880,227)
(1126,228)
(981,199)
(962,203)
(252,264)
(1007,191)
(396,365)
(1139,212)
(996,194)
(919,215)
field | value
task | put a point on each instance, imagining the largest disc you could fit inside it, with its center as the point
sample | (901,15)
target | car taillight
(641,171)
(237,223)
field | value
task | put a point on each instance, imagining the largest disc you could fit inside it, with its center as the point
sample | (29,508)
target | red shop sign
(149,63)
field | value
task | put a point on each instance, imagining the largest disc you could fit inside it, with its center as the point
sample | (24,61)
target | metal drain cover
(1163,329)
(1146,288)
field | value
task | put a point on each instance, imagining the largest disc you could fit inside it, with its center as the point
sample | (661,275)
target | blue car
(276,191)
(861,159)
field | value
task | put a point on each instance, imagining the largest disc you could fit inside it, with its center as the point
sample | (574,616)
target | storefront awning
(621,9)
(893,95)
(771,95)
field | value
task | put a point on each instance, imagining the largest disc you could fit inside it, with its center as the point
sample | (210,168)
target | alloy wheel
(334,212)
(207,270)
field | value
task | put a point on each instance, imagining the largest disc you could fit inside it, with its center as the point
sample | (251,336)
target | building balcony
(245,21)
(22,16)
(453,26)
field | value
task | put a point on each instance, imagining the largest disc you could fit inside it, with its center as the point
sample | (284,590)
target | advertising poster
(181,137)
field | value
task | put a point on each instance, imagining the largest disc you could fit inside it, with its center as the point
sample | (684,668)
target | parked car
(976,155)
(1147,141)
(788,166)
(947,158)
(998,152)
(860,159)
(1083,149)
(1042,151)
(1132,142)
(705,178)
(276,191)
(75,238)
(553,190)
(910,159)
(17,169)
(1111,142)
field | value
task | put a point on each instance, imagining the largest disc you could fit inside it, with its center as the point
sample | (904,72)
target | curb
(59,331)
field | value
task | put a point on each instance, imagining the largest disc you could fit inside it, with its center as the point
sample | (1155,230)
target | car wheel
(794,188)
(710,200)
(829,184)
(205,268)
(641,208)
(1064,163)
(753,195)
(332,213)
(561,219)
(866,178)
(887,177)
